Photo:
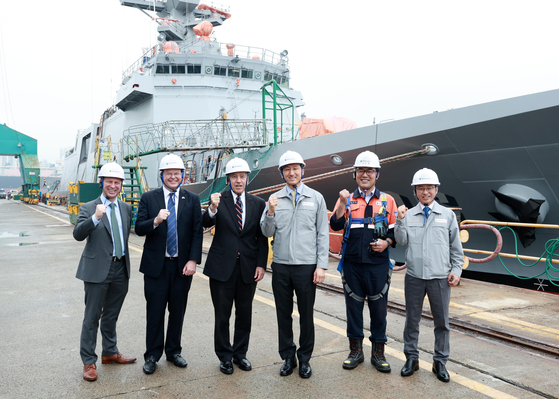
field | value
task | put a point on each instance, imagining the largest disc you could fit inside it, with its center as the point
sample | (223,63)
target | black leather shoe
(410,367)
(243,363)
(149,367)
(440,370)
(305,370)
(288,366)
(177,360)
(226,367)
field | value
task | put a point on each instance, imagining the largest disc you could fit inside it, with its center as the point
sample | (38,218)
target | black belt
(115,259)
(171,258)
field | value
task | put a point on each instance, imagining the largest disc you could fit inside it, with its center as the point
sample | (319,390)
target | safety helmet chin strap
(374,185)
(415,192)
(102,181)
(231,187)
(169,188)
(296,185)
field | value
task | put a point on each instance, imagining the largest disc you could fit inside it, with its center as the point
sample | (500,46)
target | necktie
(239,208)
(116,231)
(293,194)
(171,226)
(426,212)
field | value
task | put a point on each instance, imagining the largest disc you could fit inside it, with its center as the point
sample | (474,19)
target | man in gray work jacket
(434,259)
(296,217)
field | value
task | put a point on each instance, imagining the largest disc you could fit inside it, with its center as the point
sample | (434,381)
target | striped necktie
(239,209)
(171,226)
(116,231)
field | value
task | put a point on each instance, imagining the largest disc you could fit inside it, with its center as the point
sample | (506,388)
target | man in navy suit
(171,220)
(104,268)
(236,262)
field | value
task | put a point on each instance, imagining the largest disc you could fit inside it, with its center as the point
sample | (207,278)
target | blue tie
(171,226)
(426,212)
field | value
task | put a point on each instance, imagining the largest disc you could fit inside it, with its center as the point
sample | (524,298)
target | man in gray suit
(104,268)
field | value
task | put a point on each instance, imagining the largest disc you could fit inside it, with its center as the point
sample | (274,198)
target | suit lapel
(182,201)
(160,198)
(124,218)
(230,205)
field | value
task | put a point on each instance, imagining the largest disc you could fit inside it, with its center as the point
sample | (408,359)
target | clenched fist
(100,211)
(272,203)
(402,211)
(214,201)
(344,196)
(163,214)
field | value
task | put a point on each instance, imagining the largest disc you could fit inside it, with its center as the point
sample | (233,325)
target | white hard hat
(367,159)
(425,176)
(112,169)
(237,165)
(171,161)
(289,158)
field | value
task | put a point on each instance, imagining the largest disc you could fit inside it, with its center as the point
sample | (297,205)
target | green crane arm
(20,145)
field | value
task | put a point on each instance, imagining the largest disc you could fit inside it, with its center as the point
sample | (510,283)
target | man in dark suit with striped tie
(170,218)
(235,263)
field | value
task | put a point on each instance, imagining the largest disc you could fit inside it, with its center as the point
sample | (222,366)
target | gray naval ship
(208,101)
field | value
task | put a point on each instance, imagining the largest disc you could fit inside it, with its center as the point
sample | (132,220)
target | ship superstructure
(189,93)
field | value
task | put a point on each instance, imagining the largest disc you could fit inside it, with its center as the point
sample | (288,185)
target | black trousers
(168,291)
(224,293)
(287,279)
(103,301)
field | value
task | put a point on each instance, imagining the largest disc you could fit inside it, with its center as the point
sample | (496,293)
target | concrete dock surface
(41,311)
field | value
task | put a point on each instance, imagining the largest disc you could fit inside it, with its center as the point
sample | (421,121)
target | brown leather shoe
(117,358)
(89,372)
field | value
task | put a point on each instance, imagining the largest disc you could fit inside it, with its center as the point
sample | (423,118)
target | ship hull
(480,149)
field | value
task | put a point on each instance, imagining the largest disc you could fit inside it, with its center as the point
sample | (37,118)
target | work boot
(355,355)
(377,358)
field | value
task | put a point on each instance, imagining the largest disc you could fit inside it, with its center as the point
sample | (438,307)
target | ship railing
(193,135)
(139,62)
(493,254)
(211,47)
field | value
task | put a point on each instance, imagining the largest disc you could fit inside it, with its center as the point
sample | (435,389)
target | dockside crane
(23,147)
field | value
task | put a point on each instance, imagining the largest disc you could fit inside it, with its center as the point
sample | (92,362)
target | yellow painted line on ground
(520,324)
(464,381)
(44,213)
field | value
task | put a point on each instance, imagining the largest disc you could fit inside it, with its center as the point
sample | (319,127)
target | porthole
(336,159)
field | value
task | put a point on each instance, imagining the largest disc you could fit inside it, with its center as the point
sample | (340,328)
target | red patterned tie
(239,208)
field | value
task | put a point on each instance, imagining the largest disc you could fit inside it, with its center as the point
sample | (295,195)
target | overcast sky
(361,59)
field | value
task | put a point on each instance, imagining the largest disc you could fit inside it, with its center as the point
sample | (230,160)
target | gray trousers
(438,292)
(103,301)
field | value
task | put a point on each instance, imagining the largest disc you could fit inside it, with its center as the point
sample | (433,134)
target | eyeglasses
(428,188)
(172,174)
(370,172)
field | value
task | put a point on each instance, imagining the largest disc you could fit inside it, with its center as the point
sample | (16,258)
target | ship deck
(42,308)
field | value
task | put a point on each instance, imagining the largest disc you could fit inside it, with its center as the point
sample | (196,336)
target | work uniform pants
(167,291)
(224,293)
(366,280)
(285,280)
(103,301)
(438,292)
